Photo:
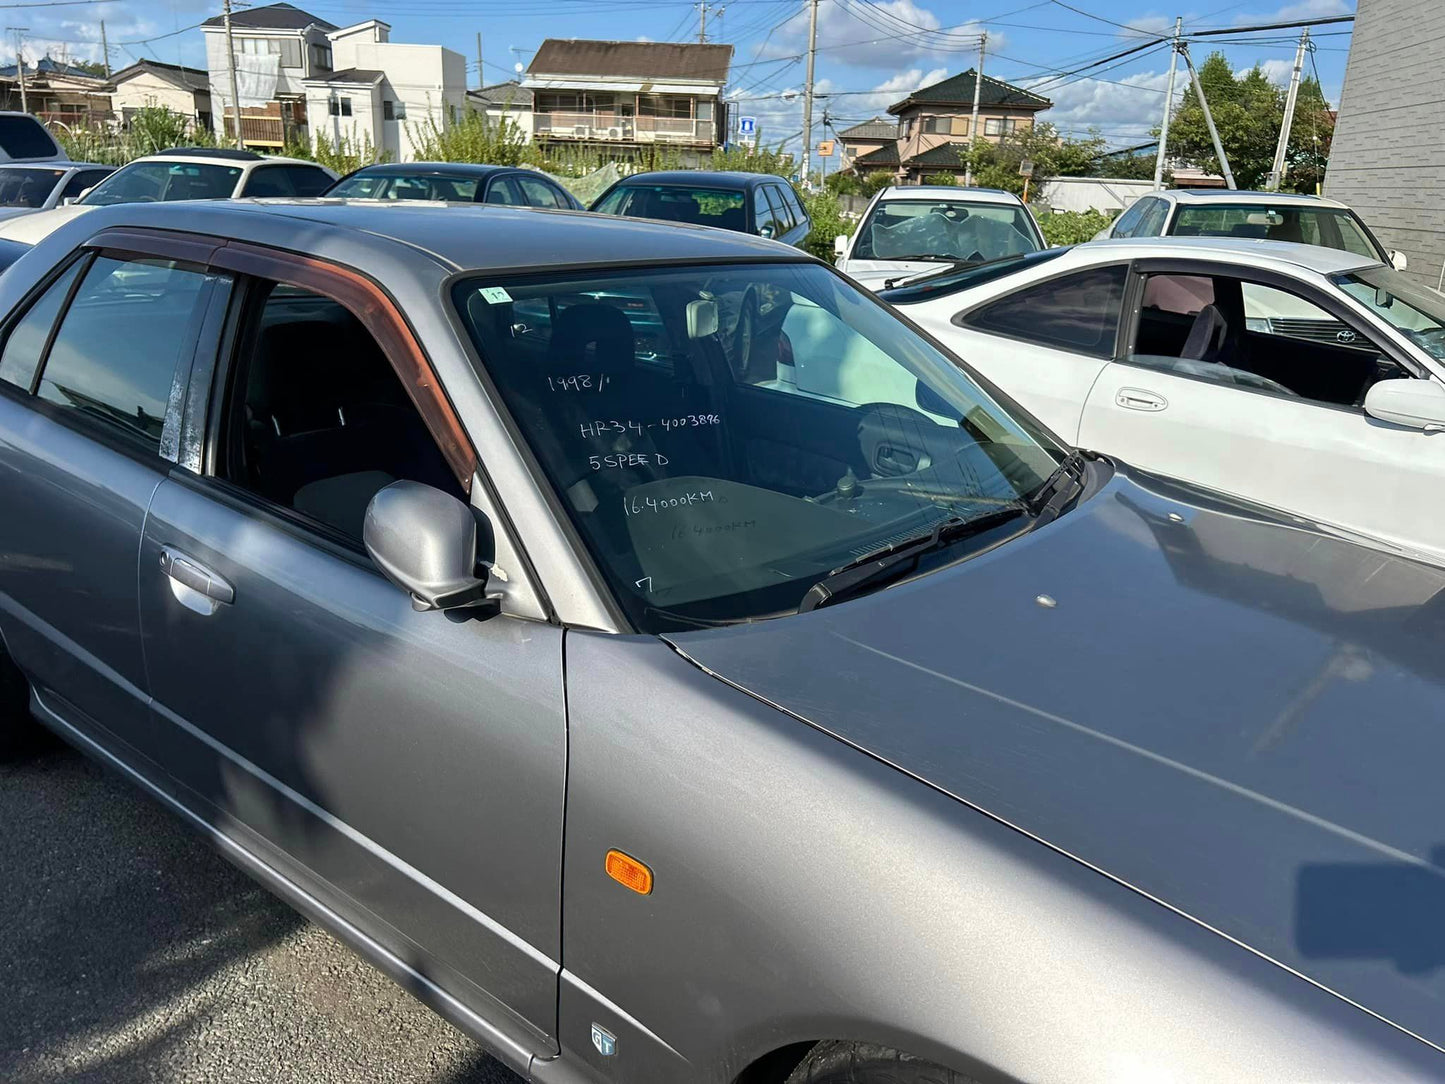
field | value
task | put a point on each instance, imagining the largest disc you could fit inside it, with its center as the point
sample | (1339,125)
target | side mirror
(840,245)
(66,201)
(1419,404)
(766,230)
(1397,260)
(425,542)
(84,192)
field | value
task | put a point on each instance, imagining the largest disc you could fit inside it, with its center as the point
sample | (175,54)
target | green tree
(1248,110)
(996,165)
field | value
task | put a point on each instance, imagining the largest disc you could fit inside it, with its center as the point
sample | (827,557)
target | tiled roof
(877,128)
(272,17)
(958,90)
(947,155)
(648,60)
(510,93)
(175,74)
(886,155)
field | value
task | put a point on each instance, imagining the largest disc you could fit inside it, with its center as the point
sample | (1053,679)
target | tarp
(256,75)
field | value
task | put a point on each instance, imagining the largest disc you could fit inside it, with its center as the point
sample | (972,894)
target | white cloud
(1122,111)
(1277,69)
(880,35)
(1299,9)
(779,117)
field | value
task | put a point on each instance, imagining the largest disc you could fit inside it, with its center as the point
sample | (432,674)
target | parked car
(756,203)
(911,229)
(454,182)
(31,186)
(185,173)
(1168,353)
(653,720)
(23,138)
(1270,216)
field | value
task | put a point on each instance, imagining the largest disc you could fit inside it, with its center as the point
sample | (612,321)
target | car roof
(469,236)
(53,166)
(203,156)
(1325,261)
(455,169)
(703,178)
(1245,195)
(948,191)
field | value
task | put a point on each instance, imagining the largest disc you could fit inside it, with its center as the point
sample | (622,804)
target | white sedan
(1172,355)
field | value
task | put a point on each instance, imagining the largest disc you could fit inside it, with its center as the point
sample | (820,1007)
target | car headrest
(593,338)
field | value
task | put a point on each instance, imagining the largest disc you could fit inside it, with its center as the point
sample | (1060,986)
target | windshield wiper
(1058,489)
(899,558)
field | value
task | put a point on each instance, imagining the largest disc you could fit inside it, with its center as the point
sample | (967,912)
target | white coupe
(1171,353)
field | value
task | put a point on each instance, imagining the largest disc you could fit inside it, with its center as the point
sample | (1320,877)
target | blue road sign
(747,126)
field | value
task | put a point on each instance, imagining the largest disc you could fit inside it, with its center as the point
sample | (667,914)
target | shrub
(828,223)
(1073,227)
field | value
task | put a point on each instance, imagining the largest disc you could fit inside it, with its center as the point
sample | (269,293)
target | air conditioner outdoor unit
(579,129)
(614,132)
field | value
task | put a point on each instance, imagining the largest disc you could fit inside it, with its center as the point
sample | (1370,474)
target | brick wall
(1388,158)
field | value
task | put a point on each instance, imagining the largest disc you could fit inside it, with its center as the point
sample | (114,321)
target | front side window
(1253,336)
(1129,221)
(1078,312)
(1151,222)
(1327,227)
(677,203)
(782,214)
(155,182)
(27,187)
(944,230)
(316,419)
(308,180)
(538,192)
(113,359)
(268,181)
(504,190)
(718,483)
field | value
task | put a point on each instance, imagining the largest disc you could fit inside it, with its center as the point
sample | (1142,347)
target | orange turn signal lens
(629,872)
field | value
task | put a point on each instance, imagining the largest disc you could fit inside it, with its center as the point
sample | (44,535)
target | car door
(505,190)
(89,378)
(1045,343)
(404,768)
(1276,418)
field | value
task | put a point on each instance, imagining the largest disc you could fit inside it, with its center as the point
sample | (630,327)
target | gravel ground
(129,951)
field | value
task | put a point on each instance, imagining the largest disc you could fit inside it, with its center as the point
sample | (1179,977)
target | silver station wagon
(658,706)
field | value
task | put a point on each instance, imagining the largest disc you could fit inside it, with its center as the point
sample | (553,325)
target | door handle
(189,572)
(1139,399)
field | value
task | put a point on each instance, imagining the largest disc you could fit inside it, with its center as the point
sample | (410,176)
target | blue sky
(871,52)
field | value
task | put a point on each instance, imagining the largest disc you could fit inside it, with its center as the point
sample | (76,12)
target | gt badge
(604,1041)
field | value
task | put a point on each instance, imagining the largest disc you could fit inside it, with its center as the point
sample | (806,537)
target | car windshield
(1419,314)
(155,182)
(677,203)
(1326,227)
(27,187)
(952,230)
(421,186)
(725,436)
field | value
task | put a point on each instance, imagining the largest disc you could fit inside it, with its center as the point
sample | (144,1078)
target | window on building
(113,359)
(1078,312)
(937,125)
(287,49)
(960,126)
(339,106)
(665,105)
(321,58)
(388,110)
(400,110)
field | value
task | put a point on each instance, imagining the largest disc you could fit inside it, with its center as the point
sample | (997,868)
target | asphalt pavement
(130,951)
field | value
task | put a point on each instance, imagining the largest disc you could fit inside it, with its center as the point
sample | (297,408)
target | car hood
(1234,713)
(35,226)
(874,273)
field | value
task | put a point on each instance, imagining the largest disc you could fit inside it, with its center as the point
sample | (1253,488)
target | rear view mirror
(702,319)
(1397,260)
(425,542)
(840,245)
(1419,404)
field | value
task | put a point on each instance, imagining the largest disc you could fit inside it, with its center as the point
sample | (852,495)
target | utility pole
(702,22)
(1208,118)
(20,66)
(231,70)
(1168,108)
(973,120)
(1276,173)
(104,49)
(481,76)
(808,95)
(823,183)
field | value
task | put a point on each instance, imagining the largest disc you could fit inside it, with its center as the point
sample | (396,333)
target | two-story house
(383,94)
(934,125)
(866,138)
(630,96)
(186,92)
(277,47)
(301,77)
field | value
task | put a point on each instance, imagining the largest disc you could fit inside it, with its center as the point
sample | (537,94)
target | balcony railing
(622,129)
(262,131)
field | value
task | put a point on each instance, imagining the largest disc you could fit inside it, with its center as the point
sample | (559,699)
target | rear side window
(1129,220)
(767,223)
(1078,312)
(114,357)
(504,190)
(539,193)
(1152,222)
(25,137)
(269,181)
(308,180)
(800,215)
(781,211)
(26,343)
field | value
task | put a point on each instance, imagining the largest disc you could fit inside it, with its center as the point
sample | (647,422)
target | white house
(384,94)
(277,47)
(509,100)
(149,83)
